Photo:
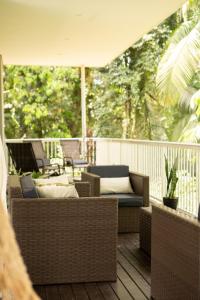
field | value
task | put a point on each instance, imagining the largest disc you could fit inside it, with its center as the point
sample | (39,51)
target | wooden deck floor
(133,282)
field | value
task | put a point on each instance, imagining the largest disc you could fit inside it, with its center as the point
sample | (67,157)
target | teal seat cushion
(126,200)
(80,162)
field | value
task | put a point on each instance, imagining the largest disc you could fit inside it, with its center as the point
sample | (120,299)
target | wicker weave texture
(175,263)
(145,229)
(94,181)
(66,240)
(83,189)
(140,185)
(128,219)
(70,240)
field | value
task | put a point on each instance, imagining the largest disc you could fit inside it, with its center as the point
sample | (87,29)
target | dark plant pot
(199,213)
(170,202)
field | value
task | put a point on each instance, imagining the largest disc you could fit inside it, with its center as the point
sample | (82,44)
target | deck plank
(120,290)
(142,267)
(52,292)
(66,293)
(129,284)
(80,291)
(41,291)
(107,291)
(134,275)
(93,291)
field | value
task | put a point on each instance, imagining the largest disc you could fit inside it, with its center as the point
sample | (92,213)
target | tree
(122,99)
(42,102)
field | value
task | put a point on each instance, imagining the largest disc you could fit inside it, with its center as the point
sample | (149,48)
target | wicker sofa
(65,240)
(175,255)
(128,211)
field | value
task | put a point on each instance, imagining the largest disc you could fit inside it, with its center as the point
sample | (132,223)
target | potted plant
(170,199)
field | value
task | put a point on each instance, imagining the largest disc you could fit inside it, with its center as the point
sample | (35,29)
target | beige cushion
(57,180)
(54,191)
(115,185)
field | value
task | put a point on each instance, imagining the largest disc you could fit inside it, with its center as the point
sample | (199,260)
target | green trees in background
(150,92)
(42,102)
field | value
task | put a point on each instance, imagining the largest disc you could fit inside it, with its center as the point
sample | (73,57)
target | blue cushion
(80,162)
(126,200)
(109,171)
(28,187)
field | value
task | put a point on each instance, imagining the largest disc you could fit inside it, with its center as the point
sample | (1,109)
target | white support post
(83,111)
(1,102)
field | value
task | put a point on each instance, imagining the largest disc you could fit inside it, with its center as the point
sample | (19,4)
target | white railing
(147,157)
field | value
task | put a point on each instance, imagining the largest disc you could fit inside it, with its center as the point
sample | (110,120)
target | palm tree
(176,70)
(181,59)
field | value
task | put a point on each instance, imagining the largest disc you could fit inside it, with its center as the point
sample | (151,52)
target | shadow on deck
(133,280)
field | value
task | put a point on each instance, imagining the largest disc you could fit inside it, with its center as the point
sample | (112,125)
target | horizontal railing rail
(146,157)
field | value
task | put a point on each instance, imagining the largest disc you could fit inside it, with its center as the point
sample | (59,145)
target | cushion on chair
(54,191)
(115,185)
(126,200)
(109,171)
(79,162)
(28,187)
(56,180)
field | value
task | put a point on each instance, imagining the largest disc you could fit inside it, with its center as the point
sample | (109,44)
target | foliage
(123,98)
(181,58)
(179,62)
(36,175)
(42,102)
(172,179)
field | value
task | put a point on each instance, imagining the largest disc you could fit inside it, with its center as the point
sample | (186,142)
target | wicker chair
(128,218)
(175,254)
(71,154)
(65,240)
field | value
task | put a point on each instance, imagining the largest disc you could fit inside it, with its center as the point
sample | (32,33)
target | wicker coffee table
(145,229)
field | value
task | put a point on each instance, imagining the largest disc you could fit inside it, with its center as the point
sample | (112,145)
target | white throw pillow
(54,191)
(57,180)
(115,185)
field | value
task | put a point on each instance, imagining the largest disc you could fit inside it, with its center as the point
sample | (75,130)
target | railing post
(83,111)
(198,179)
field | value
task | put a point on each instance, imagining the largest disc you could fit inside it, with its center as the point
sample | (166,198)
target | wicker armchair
(175,254)
(128,216)
(65,240)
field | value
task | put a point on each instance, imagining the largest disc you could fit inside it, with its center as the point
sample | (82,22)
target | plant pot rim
(174,198)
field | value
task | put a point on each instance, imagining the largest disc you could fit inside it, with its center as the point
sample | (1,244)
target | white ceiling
(76,32)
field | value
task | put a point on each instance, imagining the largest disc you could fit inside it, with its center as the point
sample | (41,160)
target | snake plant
(172,179)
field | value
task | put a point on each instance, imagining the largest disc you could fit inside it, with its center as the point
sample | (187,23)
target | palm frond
(179,62)
(191,132)
(186,99)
